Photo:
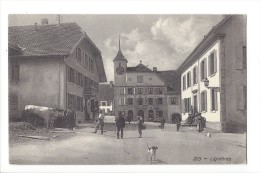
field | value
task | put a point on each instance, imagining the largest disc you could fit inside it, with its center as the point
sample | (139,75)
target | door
(130,115)
(150,115)
(141,113)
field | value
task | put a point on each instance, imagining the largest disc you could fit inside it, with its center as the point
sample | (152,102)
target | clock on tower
(120,70)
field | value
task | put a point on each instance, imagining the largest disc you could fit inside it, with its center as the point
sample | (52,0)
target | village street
(87,148)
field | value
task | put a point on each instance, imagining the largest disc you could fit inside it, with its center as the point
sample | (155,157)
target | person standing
(120,124)
(178,122)
(162,123)
(140,125)
(71,119)
(100,122)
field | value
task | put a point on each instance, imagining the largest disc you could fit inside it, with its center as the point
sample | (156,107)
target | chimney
(44,21)
(155,69)
(111,84)
(35,27)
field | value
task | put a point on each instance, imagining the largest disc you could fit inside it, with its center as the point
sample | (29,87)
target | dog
(151,154)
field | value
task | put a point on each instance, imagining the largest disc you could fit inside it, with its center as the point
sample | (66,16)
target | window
(203,101)
(159,90)
(188,79)
(103,103)
(140,101)
(214,101)
(241,97)
(195,75)
(174,100)
(139,79)
(13,102)
(139,90)
(15,73)
(187,104)
(72,102)
(150,101)
(78,54)
(203,69)
(91,64)
(130,101)
(71,75)
(79,80)
(212,63)
(86,60)
(184,82)
(121,101)
(159,100)
(150,90)
(130,91)
(79,103)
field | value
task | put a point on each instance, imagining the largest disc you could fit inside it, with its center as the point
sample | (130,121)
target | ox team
(49,115)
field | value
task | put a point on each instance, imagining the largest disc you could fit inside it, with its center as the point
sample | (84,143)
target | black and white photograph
(127,89)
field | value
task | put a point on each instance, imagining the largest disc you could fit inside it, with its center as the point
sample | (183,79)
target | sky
(162,41)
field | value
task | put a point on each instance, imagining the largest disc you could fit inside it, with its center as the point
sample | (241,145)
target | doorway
(174,118)
(130,115)
(141,113)
(150,115)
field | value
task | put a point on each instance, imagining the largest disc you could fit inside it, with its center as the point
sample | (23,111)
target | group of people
(120,124)
(196,118)
(70,118)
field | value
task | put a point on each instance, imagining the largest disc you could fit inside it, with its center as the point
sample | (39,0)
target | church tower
(120,64)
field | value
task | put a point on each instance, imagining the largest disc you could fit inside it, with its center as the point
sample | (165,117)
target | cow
(47,114)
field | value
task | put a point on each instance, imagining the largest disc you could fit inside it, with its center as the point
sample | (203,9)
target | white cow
(47,114)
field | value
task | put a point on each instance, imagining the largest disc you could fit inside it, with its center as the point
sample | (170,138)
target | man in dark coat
(71,119)
(120,124)
(162,123)
(178,122)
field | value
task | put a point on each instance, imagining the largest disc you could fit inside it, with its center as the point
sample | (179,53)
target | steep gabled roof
(46,39)
(139,68)
(50,40)
(171,78)
(105,92)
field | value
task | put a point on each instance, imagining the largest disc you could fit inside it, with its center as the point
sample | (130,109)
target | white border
(250,8)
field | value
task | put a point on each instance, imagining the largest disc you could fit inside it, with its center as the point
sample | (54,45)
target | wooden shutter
(205,67)
(215,61)
(206,105)
(209,66)
(216,100)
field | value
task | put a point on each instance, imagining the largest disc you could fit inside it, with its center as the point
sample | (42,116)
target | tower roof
(119,56)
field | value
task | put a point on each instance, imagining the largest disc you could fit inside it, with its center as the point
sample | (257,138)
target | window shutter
(215,61)
(239,57)
(216,100)
(206,105)
(209,66)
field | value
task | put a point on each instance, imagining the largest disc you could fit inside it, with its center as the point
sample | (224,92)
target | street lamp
(206,83)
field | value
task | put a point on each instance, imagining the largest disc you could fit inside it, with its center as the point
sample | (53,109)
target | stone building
(56,66)
(140,91)
(213,77)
